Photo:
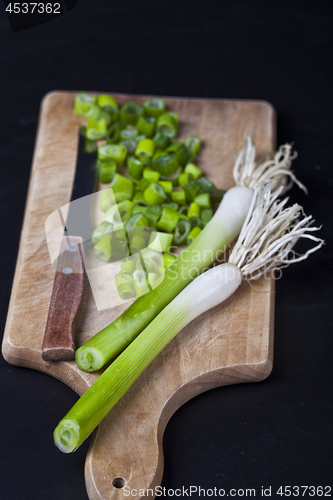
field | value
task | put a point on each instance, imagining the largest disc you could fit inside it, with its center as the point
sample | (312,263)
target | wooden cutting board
(230,344)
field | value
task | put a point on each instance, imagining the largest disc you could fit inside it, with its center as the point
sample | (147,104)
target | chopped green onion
(106,101)
(194,210)
(107,170)
(174,178)
(128,134)
(113,115)
(180,151)
(137,243)
(151,175)
(156,209)
(89,111)
(168,220)
(106,200)
(193,142)
(137,209)
(154,107)
(168,124)
(124,276)
(81,100)
(146,125)
(161,141)
(118,213)
(112,213)
(193,170)
(168,259)
(128,266)
(122,188)
(183,179)
(125,210)
(173,206)
(130,145)
(160,242)
(154,194)
(138,199)
(205,184)
(216,194)
(130,112)
(119,245)
(137,220)
(90,146)
(113,135)
(84,97)
(142,184)
(126,290)
(153,214)
(105,115)
(140,282)
(191,189)
(173,115)
(140,137)
(103,248)
(115,152)
(195,221)
(158,154)
(135,167)
(152,260)
(183,209)
(96,129)
(166,165)
(203,200)
(105,227)
(182,230)
(193,234)
(166,185)
(138,232)
(179,196)
(145,148)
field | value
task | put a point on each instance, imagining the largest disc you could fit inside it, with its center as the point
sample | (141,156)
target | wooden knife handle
(66,302)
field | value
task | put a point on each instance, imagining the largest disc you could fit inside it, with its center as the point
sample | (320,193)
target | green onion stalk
(269,233)
(205,247)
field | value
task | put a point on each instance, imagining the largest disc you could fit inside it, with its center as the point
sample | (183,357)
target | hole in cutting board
(118,482)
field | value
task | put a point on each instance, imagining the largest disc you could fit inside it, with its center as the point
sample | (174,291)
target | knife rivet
(67,270)
(72,248)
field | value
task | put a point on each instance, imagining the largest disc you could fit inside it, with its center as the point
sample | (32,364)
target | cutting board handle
(65,303)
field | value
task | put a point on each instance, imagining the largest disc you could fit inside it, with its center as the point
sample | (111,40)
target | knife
(68,286)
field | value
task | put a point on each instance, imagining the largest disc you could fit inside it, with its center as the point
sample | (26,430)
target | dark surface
(274,433)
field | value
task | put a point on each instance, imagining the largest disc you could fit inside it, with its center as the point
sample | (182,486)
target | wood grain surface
(230,344)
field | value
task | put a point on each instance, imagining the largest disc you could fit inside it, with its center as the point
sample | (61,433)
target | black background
(277,432)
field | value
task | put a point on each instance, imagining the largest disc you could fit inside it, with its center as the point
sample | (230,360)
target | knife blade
(68,286)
